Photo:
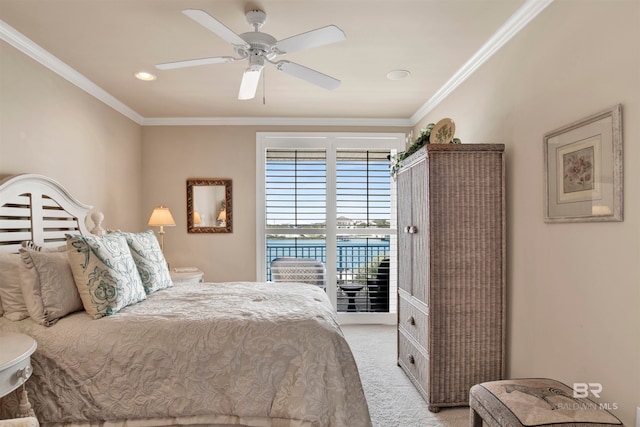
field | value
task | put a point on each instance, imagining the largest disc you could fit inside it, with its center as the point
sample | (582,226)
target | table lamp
(161,217)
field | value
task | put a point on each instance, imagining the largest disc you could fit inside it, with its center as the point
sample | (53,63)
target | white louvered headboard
(35,207)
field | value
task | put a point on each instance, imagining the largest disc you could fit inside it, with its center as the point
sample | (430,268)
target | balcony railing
(362,276)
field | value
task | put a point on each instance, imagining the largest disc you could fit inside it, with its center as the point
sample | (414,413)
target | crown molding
(34,51)
(274,121)
(525,14)
(514,24)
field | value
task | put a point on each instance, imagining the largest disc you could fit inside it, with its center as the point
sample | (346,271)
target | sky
(296,191)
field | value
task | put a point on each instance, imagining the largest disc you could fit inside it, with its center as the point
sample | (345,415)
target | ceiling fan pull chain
(264,87)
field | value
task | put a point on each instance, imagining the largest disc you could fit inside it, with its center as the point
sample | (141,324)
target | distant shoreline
(317,241)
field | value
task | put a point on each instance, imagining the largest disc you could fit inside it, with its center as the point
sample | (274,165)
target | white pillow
(149,259)
(13,305)
(48,286)
(105,273)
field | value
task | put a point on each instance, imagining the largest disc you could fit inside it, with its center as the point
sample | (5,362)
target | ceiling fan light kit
(258,47)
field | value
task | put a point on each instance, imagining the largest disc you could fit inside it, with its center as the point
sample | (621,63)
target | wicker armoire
(451,269)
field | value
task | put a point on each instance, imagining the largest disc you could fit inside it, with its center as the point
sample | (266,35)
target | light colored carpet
(392,399)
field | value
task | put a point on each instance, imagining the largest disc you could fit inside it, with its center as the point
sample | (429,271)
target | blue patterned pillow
(149,259)
(105,273)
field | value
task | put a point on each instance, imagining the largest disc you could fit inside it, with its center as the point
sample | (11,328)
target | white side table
(15,366)
(182,276)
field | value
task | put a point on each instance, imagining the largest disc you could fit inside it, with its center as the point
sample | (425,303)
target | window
(330,197)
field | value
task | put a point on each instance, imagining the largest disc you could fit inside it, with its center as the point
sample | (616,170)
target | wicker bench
(533,402)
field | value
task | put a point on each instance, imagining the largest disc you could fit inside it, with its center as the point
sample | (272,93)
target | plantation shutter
(363,189)
(296,188)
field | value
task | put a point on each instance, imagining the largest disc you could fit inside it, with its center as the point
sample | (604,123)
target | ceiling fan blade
(215,26)
(304,73)
(194,62)
(249,84)
(314,38)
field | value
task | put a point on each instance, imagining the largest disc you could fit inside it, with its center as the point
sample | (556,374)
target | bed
(217,354)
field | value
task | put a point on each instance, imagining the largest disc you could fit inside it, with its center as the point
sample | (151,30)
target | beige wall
(172,154)
(574,289)
(50,127)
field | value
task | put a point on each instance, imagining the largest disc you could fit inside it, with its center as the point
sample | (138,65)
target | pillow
(48,286)
(149,260)
(104,272)
(13,305)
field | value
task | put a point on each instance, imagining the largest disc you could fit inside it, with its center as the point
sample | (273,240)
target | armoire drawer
(414,321)
(414,362)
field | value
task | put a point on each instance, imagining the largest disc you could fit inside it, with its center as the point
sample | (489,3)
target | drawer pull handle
(407,228)
(411,321)
(411,359)
(413,229)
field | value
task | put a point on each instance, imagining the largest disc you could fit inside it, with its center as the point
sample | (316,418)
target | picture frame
(209,205)
(583,170)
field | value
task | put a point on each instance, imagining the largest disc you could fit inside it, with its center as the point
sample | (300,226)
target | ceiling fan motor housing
(259,43)
(256,61)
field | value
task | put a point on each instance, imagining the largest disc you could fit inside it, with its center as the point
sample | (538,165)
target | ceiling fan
(258,47)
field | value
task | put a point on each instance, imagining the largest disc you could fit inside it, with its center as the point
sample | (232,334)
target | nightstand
(15,366)
(180,276)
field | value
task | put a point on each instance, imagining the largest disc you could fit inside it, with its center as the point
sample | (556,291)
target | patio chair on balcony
(379,288)
(301,270)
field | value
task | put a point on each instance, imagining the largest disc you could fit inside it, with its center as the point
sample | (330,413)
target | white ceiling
(104,42)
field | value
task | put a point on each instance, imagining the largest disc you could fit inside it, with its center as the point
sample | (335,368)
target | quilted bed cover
(255,354)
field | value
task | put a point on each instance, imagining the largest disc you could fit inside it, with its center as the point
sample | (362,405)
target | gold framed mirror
(209,205)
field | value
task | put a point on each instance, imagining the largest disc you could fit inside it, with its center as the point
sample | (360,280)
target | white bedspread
(256,354)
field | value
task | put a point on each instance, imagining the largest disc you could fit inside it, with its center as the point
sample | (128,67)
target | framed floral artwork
(583,169)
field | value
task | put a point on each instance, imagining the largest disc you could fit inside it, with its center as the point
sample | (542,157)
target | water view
(353,254)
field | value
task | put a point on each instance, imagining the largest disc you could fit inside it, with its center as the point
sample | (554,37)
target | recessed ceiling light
(398,74)
(143,75)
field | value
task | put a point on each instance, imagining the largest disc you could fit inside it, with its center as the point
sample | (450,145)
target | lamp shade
(196,218)
(161,216)
(222,216)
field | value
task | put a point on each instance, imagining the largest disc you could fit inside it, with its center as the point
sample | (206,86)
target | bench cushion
(536,402)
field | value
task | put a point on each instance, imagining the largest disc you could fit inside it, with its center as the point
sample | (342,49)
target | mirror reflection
(209,205)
